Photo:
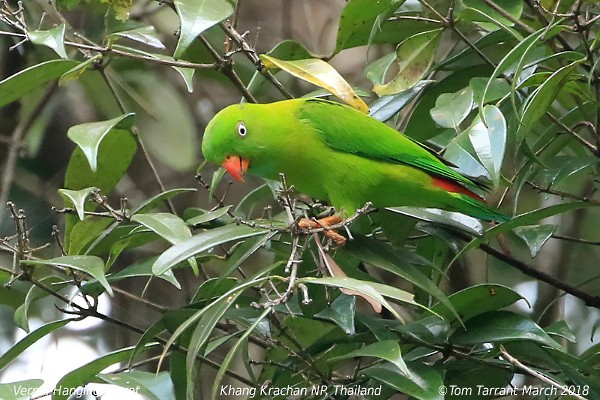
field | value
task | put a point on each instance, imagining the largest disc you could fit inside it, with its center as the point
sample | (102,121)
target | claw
(338,239)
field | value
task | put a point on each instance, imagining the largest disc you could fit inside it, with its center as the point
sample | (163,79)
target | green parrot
(336,153)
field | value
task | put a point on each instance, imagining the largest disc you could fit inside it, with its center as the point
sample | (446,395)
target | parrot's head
(227,140)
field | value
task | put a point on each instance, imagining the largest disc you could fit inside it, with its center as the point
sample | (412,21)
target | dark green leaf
(561,329)
(388,350)
(501,326)
(424,382)
(374,290)
(341,312)
(383,256)
(470,378)
(476,300)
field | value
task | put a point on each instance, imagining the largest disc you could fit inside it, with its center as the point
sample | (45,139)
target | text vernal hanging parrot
(333,152)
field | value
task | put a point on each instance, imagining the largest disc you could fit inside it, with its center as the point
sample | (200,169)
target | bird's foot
(325,223)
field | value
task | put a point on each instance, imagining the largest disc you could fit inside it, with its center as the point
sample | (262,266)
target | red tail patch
(454,187)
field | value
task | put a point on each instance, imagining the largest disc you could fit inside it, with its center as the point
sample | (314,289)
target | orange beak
(236,166)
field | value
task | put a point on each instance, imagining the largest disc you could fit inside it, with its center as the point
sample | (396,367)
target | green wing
(346,129)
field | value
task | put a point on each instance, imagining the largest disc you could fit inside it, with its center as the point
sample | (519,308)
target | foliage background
(546,91)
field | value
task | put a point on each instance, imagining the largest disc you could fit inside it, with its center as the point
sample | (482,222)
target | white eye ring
(242,130)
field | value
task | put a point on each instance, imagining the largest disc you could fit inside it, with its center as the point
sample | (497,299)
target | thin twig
(538,375)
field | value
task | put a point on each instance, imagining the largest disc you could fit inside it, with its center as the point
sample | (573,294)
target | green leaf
(520,50)
(383,256)
(386,107)
(26,81)
(497,89)
(359,15)
(460,152)
(424,382)
(140,269)
(476,300)
(500,327)
(122,9)
(388,350)
(20,390)
(78,198)
(202,242)
(470,377)
(535,235)
(319,73)
(195,17)
(153,386)
(243,252)
(32,338)
(456,220)
(489,142)
(378,69)
(146,35)
(285,50)
(168,226)
(208,216)
(560,167)
(375,30)
(89,136)
(187,74)
(21,316)
(561,329)
(490,19)
(84,374)
(202,332)
(523,219)
(451,109)
(540,100)
(91,265)
(84,233)
(374,290)
(341,311)
(414,57)
(154,201)
(232,352)
(76,71)
(53,38)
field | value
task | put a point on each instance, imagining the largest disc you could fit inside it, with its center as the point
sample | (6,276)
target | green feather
(333,152)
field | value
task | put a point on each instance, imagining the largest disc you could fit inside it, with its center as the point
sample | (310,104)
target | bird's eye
(242,130)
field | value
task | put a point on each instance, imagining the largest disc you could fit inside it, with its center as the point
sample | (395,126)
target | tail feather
(478,209)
